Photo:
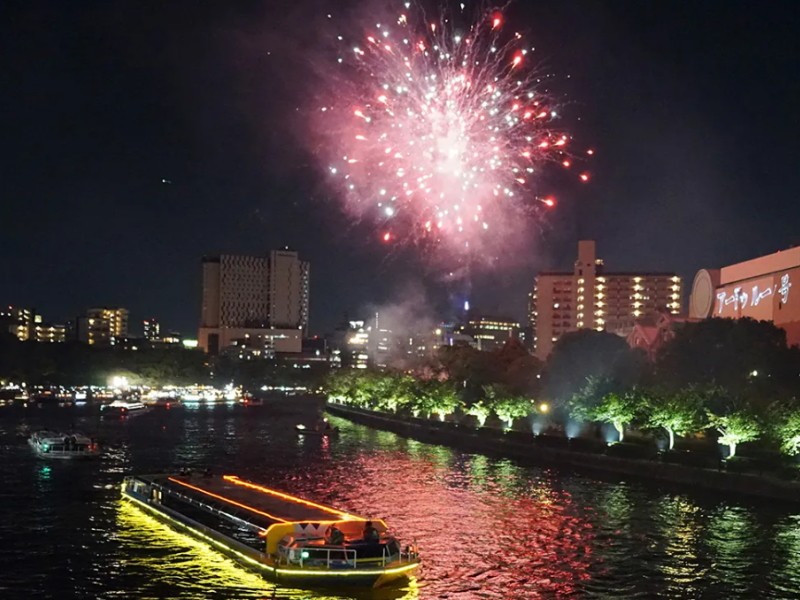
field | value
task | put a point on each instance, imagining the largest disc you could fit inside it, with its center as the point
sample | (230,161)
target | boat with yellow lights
(286,539)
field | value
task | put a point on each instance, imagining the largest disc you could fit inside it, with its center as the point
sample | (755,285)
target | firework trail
(439,133)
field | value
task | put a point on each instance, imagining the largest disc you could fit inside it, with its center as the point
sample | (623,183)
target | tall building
(760,288)
(94,331)
(591,298)
(151,329)
(19,322)
(288,290)
(263,297)
(102,326)
(358,345)
(26,325)
(117,319)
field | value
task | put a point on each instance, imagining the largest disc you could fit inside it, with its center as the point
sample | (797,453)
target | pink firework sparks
(439,134)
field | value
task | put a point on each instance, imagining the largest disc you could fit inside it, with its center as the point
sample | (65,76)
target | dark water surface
(487,528)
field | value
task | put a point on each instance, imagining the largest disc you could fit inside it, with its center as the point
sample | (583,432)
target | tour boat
(53,444)
(286,539)
(125,408)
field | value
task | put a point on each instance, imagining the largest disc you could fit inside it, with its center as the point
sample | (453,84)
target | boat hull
(317,432)
(61,454)
(259,563)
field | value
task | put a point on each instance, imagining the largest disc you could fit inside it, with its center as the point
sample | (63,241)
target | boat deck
(254,503)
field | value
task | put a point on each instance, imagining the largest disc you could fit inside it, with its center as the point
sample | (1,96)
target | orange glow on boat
(253,486)
(228,500)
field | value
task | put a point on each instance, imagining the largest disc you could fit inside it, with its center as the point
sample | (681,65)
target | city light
(119,382)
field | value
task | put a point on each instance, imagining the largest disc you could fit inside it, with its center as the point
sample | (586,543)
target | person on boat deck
(370,533)
(335,535)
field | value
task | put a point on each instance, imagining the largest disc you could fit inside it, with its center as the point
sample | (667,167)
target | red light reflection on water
(481,533)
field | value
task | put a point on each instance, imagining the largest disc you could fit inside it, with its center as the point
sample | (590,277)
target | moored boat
(320,431)
(290,540)
(125,408)
(54,444)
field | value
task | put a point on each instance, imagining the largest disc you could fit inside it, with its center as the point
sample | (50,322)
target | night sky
(691,106)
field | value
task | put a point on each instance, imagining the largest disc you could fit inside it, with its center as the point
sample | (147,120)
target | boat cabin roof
(275,513)
(57,437)
(272,506)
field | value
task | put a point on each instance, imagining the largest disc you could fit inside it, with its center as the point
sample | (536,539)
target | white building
(254,296)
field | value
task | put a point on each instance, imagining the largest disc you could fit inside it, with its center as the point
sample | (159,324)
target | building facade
(49,333)
(254,297)
(591,298)
(19,322)
(117,319)
(151,329)
(489,333)
(94,331)
(26,325)
(761,288)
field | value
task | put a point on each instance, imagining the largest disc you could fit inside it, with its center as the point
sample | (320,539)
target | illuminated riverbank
(499,442)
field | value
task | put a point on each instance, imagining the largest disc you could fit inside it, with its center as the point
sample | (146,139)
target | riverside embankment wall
(497,443)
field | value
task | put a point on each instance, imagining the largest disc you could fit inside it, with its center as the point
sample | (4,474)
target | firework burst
(439,133)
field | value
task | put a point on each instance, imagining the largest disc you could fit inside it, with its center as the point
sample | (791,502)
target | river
(486,527)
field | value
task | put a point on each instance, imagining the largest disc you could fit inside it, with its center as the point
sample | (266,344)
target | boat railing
(340,557)
(312,557)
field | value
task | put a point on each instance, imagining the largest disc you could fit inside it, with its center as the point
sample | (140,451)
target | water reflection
(486,527)
(681,566)
(732,538)
(160,562)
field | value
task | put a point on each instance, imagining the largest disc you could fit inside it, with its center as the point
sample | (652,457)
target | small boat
(125,408)
(286,539)
(320,431)
(54,444)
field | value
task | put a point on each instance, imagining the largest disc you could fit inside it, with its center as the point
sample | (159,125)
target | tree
(513,407)
(469,368)
(617,409)
(788,430)
(740,356)
(736,427)
(480,410)
(581,355)
(394,391)
(505,403)
(339,385)
(679,413)
(583,402)
(435,397)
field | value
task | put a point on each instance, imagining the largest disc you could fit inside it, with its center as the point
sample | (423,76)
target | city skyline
(184,141)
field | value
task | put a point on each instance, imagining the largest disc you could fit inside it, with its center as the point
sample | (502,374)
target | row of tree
(74,363)
(691,411)
(735,380)
(433,398)
(686,412)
